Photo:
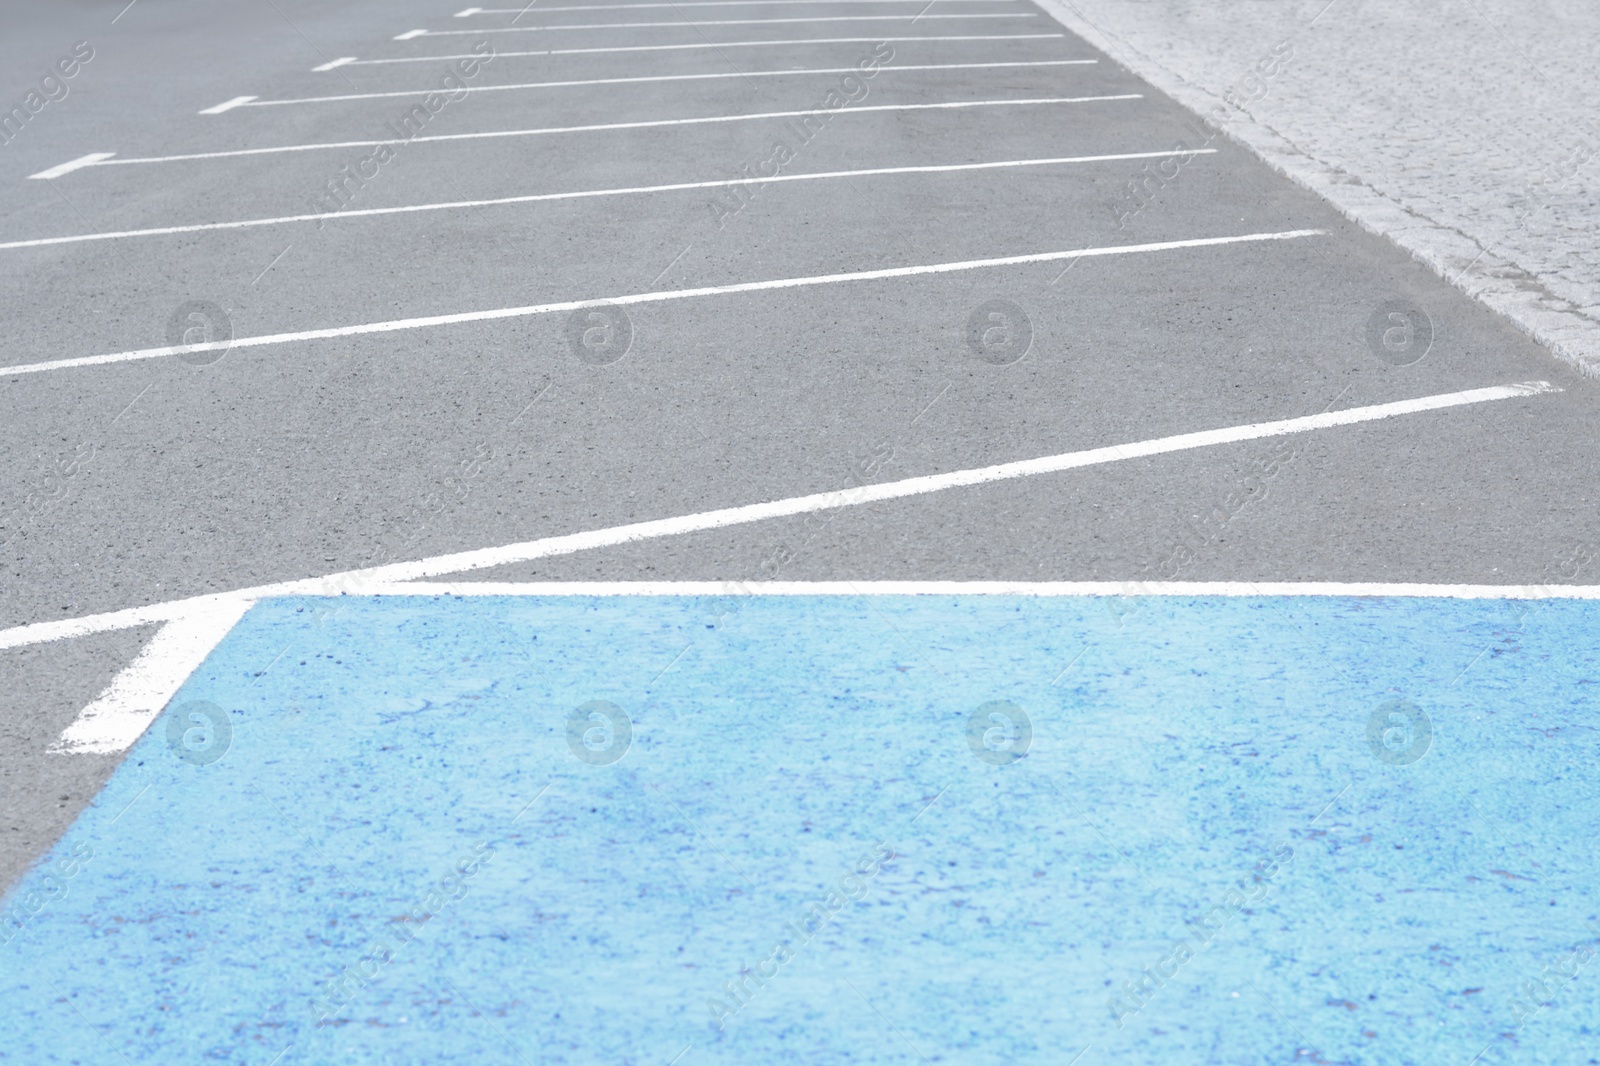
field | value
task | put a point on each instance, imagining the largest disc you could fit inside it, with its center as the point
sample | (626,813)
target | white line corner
(120,715)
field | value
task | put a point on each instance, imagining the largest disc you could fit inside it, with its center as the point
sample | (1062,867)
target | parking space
(849,826)
(732,293)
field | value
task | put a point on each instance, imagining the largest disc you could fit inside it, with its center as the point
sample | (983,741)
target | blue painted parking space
(839,829)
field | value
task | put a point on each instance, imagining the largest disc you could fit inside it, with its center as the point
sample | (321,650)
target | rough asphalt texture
(313,458)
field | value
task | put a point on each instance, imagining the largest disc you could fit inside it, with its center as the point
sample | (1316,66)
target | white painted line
(458,318)
(711,44)
(916,486)
(98,729)
(361,582)
(107,161)
(368,212)
(709,3)
(685,23)
(985,588)
(228,105)
(121,714)
(73,164)
(251,101)
(340,62)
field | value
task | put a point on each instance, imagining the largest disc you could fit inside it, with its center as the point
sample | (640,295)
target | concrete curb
(1497,283)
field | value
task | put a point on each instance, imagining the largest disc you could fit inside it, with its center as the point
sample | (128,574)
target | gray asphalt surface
(296,460)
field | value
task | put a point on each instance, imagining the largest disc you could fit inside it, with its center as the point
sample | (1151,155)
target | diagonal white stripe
(692,23)
(368,212)
(251,101)
(640,298)
(469,12)
(660,123)
(378,577)
(120,714)
(351,60)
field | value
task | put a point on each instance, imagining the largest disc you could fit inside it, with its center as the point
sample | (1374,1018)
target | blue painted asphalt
(839,830)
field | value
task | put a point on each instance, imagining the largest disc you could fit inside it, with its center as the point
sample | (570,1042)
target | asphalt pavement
(553,301)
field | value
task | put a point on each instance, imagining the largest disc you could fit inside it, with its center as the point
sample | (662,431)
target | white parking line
(120,714)
(986,588)
(344,61)
(252,101)
(368,212)
(471,11)
(70,165)
(431,321)
(197,618)
(110,159)
(228,105)
(411,35)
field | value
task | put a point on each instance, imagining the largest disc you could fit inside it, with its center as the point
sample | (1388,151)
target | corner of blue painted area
(580,829)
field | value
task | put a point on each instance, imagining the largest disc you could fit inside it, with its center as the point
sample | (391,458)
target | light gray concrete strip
(1465,136)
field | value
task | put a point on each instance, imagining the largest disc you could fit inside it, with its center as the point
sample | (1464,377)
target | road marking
(987,588)
(469,12)
(252,101)
(393,575)
(105,158)
(121,714)
(228,105)
(351,60)
(459,317)
(366,212)
(68,167)
(410,35)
